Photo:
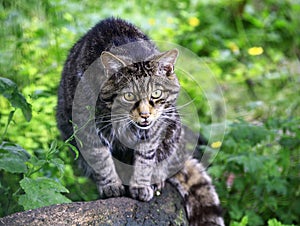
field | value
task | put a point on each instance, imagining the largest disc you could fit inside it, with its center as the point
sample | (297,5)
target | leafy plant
(258,172)
(32,192)
(10,91)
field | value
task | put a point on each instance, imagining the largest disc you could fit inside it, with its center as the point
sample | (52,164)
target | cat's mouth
(143,125)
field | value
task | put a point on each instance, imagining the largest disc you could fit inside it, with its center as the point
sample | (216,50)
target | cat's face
(145,100)
(143,93)
(147,109)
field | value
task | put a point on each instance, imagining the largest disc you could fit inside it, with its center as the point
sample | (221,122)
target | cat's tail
(201,200)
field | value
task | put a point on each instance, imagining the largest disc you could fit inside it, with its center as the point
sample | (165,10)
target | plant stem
(10,116)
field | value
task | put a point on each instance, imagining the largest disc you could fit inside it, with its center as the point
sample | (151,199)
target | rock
(166,209)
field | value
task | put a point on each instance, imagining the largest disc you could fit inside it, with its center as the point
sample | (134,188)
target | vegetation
(252,49)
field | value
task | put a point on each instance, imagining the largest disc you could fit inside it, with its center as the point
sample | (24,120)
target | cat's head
(143,92)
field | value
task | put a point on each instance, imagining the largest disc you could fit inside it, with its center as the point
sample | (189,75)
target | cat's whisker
(102,128)
(120,114)
(181,115)
(186,104)
(178,107)
(165,120)
(171,113)
(125,126)
(114,120)
(169,123)
(111,116)
(175,110)
(162,119)
(109,123)
(128,123)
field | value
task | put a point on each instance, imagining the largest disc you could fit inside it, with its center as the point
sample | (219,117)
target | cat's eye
(129,96)
(156,94)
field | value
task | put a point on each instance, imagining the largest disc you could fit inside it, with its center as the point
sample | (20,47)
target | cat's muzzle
(145,124)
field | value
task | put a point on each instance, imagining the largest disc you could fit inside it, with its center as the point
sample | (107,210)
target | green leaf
(41,192)
(251,162)
(254,218)
(10,91)
(59,164)
(73,148)
(13,158)
(243,132)
(236,212)
(35,162)
(9,119)
(243,222)
(275,222)
(53,148)
(290,142)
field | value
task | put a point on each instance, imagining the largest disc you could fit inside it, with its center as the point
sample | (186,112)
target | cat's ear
(111,63)
(167,60)
(168,57)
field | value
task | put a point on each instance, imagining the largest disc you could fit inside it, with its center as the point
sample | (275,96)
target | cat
(134,120)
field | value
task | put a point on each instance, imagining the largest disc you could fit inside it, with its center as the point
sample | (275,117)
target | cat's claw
(141,192)
(111,190)
(158,186)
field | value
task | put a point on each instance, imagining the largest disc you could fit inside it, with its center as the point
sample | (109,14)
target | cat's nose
(145,115)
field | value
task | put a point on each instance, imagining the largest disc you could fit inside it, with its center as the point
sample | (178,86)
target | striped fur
(135,119)
(201,200)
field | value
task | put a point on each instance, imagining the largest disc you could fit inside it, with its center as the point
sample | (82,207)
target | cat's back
(102,37)
(114,31)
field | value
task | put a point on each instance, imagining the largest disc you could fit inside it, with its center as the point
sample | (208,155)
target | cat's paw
(141,192)
(111,190)
(158,186)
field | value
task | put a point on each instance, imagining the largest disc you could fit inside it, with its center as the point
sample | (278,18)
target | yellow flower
(194,21)
(233,47)
(255,51)
(151,21)
(216,144)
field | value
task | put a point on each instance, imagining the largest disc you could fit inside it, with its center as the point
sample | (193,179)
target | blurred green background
(252,48)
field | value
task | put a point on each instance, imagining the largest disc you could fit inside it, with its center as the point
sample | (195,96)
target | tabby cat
(125,114)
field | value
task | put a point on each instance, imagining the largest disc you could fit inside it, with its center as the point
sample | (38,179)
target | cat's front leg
(104,173)
(140,183)
(141,192)
(109,187)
